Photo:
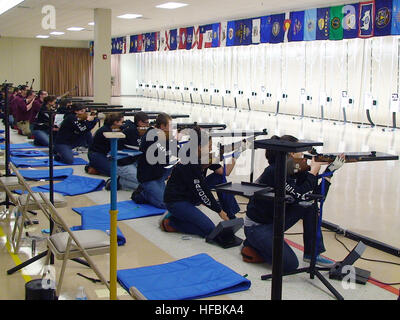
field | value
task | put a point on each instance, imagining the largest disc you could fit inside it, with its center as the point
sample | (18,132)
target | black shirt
(42,119)
(100,143)
(187,183)
(72,129)
(132,138)
(148,171)
(297,186)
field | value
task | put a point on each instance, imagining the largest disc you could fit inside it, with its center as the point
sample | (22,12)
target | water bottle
(81,295)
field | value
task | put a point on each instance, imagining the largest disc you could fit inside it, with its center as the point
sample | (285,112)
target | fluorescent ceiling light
(91,23)
(56,33)
(8,4)
(75,29)
(171,5)
(42,36)
(130,16)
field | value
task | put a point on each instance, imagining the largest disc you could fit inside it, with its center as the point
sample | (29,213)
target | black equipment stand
(312,269)
(51,178)
(6,86)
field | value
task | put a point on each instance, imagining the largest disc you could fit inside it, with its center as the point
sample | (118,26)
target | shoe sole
(319,264)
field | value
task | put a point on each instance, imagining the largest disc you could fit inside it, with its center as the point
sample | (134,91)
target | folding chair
(27,202)
(69,244)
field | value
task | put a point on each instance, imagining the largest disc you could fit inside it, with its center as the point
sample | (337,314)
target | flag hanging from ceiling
(164,41)
(310,25)
(196,37)
(206,36)
(383,17)
(286,27)
(351,14)
(265,29)
(296,32)
(224,34)
(173,34)
(182,38)
(113,46)
(367,19)
(140,43)
(243,34)
(256,31)
(189,39)
(336,27)
(151,42)
(133,44)
(216,35)
(323,19)
(396,17)
(231,29)
(277,31)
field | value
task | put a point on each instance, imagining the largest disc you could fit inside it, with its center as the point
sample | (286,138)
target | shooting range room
(253,111)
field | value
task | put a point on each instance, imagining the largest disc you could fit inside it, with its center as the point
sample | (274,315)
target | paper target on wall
(394,103)
(344,103)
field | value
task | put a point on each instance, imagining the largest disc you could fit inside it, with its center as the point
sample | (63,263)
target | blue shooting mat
(98,217)
(2,131)
(127,210)
(2,139)
(33,162)
(58,174)
(28,153)
(72,186)
(196,277)
(21,146)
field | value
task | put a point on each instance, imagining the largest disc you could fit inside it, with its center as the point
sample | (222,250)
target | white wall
(128,74)
(356,66)
(20,58)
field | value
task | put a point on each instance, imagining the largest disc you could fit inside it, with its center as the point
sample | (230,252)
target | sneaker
(250,255)
(321,261)
(108,184)
(164,224)
(91,170)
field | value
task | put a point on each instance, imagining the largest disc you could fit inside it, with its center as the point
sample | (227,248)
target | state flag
(164,37)
(265,29)
(206,36)
(383,17)
(196,38)
(367,19)
(296,32)
(396,17)
(231,30)
(182,38)
(173,41)
(189,41)
(216,35)
(323,19)
(336,26)
(277,31)
(286,27)
(256,33)
(243,34)
(224,34)
(310,25)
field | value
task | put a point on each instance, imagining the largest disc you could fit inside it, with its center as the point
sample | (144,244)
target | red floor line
(372,281)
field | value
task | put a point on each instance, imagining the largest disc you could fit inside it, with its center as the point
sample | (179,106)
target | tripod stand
(312,269)
(7,202)
(51,178)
